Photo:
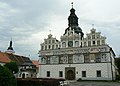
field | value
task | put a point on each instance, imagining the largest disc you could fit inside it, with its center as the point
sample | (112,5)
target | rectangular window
(48,73)
(98,73)
(98,42)
(93,36)
(60,73)
(46,47)
(86,58)
(52,46)
(89,43)
(53,41)
(83,73)
(103,41)
(49,46)
(93,42)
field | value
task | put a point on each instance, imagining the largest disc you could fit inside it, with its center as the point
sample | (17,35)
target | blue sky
(28,22)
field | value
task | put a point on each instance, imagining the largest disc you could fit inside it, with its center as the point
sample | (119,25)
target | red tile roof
(7,57)
(4,58)
(36,63)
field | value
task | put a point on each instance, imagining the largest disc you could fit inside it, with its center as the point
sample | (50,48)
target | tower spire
(10,48)
(72,19)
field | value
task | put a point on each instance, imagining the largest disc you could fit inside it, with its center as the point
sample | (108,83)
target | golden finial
(72,4)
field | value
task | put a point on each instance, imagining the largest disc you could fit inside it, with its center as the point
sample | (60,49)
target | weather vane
(72,4)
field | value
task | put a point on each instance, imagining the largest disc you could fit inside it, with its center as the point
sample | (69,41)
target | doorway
(70,73)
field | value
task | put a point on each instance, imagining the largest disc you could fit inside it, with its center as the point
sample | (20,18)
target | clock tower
(73,34)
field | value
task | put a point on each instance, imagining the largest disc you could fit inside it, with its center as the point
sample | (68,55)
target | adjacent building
(26,67)
(75,56)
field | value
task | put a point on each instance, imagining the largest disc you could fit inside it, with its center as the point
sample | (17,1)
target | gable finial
(72,4)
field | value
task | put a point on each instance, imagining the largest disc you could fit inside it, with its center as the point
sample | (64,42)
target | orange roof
(36,63)
(4,58)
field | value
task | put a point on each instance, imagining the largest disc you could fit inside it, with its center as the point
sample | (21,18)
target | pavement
(93,83)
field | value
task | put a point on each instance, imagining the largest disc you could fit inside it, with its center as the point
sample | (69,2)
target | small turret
(10,48)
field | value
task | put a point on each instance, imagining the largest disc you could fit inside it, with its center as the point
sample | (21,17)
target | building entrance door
(23,75)
(70,73)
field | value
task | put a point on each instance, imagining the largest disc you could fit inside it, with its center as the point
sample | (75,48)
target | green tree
(6,77)
(12,66)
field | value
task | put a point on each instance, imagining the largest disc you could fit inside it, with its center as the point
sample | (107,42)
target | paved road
(91,83)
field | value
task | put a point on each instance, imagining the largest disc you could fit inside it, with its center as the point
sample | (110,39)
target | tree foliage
(12,66)
(6,77)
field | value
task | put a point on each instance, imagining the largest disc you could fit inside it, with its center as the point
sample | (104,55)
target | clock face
(70,44)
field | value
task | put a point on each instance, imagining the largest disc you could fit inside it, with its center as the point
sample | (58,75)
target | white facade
(75,56)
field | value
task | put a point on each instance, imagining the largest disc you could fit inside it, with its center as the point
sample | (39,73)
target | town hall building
(75,56)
